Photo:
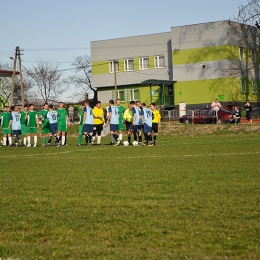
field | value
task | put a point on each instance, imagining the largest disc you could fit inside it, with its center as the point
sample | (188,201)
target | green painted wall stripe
(210,53)
(205,91)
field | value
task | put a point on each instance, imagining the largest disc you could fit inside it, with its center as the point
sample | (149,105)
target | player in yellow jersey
(98,114)
(156,122)
(128,117)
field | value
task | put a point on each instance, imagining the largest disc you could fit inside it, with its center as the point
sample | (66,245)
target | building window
(244,82)
(128,95)
(241,53)
(253,56)
(121,95)
(134,94)
(144,63)
(129,64)
(111,66)
(159,61)
(256,86)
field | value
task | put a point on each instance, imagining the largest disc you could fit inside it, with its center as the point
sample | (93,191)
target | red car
(207,116)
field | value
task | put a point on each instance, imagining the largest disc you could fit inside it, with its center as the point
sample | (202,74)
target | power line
(59,49)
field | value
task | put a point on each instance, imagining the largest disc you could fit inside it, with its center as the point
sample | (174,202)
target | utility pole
(115,62)
(21,76)
(17,55)
(13,79)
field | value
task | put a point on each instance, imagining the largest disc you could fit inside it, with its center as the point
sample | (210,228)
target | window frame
(253,55)
(142,63)
(133,96)
(111,66)
(241,53)
(157,61)
(126,64)
(244,85)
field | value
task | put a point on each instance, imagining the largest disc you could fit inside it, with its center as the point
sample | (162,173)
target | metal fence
(175,114)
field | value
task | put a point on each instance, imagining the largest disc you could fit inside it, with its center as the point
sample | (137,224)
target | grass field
(189,197)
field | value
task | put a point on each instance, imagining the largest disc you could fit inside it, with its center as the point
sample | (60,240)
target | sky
(58,31)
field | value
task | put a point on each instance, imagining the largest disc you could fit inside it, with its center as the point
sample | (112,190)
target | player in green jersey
(32,125)
(63,121)
(121,127)
(81,117)
(6,130)
(44,123)
(23,121)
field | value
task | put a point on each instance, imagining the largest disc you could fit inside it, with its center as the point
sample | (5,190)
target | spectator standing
(71,113)
(248,109)
(215,106)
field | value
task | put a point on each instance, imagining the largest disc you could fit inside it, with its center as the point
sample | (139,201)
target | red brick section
(244,121)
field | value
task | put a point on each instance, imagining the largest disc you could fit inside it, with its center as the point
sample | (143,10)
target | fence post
(192,117)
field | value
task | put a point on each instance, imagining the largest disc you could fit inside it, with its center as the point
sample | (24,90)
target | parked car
(256,113)
(207,116)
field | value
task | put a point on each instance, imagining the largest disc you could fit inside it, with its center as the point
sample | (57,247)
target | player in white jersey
(113,120)
(147,117)
(88,122)
(136,127)
(52,115)
(15,124)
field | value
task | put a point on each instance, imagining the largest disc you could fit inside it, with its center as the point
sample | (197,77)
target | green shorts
(31,130)
(7,131)
(80,129)
(62,128)
(23,129)
(46,128)
(121,126)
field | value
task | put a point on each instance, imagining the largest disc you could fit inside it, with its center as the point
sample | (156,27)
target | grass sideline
(189,197)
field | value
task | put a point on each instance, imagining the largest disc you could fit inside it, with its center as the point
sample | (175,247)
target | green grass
(189,197)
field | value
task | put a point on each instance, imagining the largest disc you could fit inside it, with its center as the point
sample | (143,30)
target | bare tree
(47,80)
(244,33)
(82,80)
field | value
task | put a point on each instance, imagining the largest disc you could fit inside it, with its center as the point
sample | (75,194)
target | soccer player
(15,124)
(63,121)
(81,118)
(156,122)
(32,125)
(5,119)
(121,111)
(23,121)
(44,121)
(52,117)
(147,117)
(113,119)
(128,117)
(136,126)
(88,123)
(98,114)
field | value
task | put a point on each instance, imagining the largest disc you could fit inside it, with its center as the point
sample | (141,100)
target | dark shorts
(88,128)
(147,129)
(248,116)
(16,132)
(135,128)
(113,128)
(127,125)
(53,128)
(98,128)
(155,127)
